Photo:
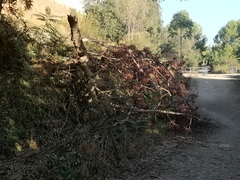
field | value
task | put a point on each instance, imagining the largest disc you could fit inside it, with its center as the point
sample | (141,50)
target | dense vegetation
(225,52)
(131,22)
(63,120)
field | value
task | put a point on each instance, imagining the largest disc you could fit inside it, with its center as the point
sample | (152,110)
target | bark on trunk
(83,55)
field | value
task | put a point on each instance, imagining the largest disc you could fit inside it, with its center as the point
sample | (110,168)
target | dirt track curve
(212,156)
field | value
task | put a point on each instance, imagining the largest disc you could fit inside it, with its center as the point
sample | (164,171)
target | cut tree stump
(82,56)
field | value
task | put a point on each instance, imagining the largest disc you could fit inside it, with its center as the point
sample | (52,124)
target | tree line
(139,22)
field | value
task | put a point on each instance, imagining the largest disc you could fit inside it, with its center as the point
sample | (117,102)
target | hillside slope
(56,7)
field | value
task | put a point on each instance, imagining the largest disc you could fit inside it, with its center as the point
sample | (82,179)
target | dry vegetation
(51,128)
(73,137)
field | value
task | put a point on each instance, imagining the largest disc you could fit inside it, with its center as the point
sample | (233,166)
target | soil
(212,154)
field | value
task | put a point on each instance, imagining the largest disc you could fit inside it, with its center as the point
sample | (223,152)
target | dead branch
(102,43)
(169,112)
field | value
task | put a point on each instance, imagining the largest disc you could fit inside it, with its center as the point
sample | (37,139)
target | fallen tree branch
(102,43)
(169,112)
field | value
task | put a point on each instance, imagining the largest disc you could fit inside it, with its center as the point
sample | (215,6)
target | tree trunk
(181,44)
(83,56)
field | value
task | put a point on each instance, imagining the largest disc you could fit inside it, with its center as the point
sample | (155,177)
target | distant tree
(136,16)
(228,34)
(133,14)
(182,26)
(153,25)
(227,42)
(110,24)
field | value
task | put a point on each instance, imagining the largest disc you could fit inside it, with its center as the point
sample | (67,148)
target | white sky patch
(76,4)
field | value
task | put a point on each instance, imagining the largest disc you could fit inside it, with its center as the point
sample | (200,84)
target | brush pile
(137,81)
(80,137)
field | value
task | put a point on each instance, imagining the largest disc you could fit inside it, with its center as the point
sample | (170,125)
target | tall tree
(153,25)
(182,26)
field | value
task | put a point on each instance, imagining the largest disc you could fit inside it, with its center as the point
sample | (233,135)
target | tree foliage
(111,26)
(201,39)
(13,40)
(10,4)
(47,38)
(228,34)
(226,47)
(130,20)
(181,24)
(184,39)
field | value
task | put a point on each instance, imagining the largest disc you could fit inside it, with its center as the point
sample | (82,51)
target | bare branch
(169,112)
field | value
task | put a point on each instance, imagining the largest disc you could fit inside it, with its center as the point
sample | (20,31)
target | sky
(76,4)
(211,15)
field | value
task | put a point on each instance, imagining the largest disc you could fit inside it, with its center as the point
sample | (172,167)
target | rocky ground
(211,154)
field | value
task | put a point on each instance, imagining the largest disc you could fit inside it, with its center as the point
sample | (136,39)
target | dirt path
(210,156)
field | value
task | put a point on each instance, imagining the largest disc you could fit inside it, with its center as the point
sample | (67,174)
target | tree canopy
(182,26)
(228,34)
(226,49)
(10,3)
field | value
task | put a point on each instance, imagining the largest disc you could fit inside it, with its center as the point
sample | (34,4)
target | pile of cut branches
(94,108)
(139,83)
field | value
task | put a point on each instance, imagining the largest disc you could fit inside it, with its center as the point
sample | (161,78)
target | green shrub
(13,49)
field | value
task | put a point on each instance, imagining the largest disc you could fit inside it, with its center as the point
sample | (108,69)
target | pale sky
(211,15)
(76,4)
